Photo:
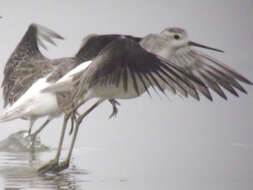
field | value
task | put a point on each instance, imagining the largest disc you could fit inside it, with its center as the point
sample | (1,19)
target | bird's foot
(35,141)
(61,166)
(114,103)
(49,166)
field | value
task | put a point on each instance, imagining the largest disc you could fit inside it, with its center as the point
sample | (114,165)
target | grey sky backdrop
(153,143)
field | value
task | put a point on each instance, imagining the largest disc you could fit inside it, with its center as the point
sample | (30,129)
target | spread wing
(25,63)
(216,75)
(124,61)
(93,44)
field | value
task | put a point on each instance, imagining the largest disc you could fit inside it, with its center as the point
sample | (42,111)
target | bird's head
(178,38)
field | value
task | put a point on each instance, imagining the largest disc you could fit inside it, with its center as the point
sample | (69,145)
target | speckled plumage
(27,64)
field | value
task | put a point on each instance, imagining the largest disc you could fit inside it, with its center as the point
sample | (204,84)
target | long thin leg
(53,163)
(74,113)
(65,163)
(66,118)
(73,120)
(34,135)
(31,126)
(41,127)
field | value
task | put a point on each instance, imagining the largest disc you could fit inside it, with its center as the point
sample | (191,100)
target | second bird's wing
(24,65)
(216,75)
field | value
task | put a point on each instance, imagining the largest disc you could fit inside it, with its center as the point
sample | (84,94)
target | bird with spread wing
(128,66)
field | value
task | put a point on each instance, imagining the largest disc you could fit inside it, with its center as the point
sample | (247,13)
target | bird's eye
(176,36)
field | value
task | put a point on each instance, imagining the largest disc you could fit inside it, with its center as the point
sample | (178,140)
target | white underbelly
(35,103)
(45,104)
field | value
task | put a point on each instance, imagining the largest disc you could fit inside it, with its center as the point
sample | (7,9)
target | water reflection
(18,167)
(18,171)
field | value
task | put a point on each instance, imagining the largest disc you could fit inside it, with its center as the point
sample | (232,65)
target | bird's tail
(12,113)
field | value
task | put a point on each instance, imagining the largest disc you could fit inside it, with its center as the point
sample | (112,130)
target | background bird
(24,77)
(25,66)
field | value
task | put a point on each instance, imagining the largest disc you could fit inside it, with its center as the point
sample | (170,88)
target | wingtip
(58,36)
(46,34)
(249,82)
(244,91)
(224,97)
(210,98)
(61,38)
(236,95)
(244,79)
(208,95)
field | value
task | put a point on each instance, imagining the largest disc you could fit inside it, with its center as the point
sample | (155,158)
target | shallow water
(129,164)
(18,168)
(18,171)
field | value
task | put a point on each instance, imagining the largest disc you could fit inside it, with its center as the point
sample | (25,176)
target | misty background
(154,143)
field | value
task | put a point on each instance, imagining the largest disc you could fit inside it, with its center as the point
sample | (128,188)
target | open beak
(190,43)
